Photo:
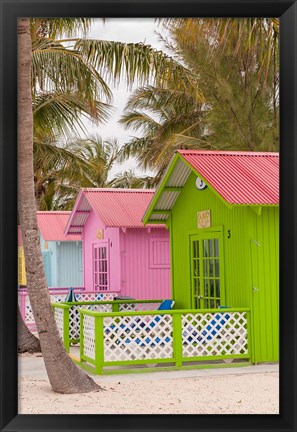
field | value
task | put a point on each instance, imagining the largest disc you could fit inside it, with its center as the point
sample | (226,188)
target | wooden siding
(265,281)
(90,238)
(129,260)
(69,264)
(62,263)
(139,278)
(242,230)
(159,252)
(21,266)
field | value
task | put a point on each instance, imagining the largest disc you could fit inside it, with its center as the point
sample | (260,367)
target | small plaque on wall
(100,234)
(46,244)
(203,218)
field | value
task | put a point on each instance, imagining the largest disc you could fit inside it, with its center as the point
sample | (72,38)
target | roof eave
(159,190)
(72,215)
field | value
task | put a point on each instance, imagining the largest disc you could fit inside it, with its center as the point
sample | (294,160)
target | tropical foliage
(69,82)
(61,172)
(235,63)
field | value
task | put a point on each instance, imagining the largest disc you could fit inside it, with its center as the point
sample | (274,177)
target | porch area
(58,295)
(106,337)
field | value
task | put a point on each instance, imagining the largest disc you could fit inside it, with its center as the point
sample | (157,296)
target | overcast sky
(123,30)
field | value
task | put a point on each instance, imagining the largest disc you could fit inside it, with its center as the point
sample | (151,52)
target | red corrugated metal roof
(52,225)
(119,207)
(239,177)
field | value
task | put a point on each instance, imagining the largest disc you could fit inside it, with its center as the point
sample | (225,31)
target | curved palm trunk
(27,342)
(64,375)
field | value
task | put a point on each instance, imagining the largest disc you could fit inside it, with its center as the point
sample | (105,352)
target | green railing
(167,338)
(70,311)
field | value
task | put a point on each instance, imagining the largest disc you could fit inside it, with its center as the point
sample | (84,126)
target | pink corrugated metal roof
(239,177)
(52,225)
(119,207)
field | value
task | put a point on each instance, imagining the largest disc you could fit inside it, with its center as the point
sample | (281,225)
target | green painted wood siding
(242,230)
(265,281)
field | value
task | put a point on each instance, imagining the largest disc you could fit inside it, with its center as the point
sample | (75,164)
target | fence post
(115,307)
(66,328)
(250,336)
(177,339)
(99,344)
(81,334)
(23,305)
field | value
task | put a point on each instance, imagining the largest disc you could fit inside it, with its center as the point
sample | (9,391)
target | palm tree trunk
(63,374)
(27,342)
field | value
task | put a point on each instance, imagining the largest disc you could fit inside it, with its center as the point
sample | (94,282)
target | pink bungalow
(120,254)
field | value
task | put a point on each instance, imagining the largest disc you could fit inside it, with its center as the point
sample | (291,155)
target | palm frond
(128,179)
(49,157)
(138,120)
(136,63)
(59,112)
(57,67)
(55,27)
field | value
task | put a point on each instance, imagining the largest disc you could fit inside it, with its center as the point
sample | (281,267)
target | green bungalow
(223,215)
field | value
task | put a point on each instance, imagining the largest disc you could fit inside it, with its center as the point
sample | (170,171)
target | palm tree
(85,64)
(55,165)
(102,155)
(128,179)
(57,112)
(65,69)
(235,62)
(81,163)
(164,116)
(252,41)
(239,77)
(64,375)
(27,342)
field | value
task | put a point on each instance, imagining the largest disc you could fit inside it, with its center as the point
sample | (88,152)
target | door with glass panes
(101,266)
(207,275)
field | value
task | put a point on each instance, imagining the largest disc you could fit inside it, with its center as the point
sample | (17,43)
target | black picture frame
(287,12)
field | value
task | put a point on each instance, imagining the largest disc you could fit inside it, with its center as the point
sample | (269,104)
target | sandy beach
(245,390)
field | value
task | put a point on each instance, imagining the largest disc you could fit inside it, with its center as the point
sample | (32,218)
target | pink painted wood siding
(89,240)
(145,267)
(159,253)
(138,259)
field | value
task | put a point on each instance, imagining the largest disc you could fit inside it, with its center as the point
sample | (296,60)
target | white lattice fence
(89,336)
(59,317)
(138,337)
(213,334)
(29,317)
(126,307)
(74,322)
(74,316)
(60,297)
(94,296)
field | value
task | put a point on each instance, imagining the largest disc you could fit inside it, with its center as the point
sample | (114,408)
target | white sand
(233,391)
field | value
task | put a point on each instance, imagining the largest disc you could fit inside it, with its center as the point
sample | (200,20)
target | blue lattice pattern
(210,334)
(138,337)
